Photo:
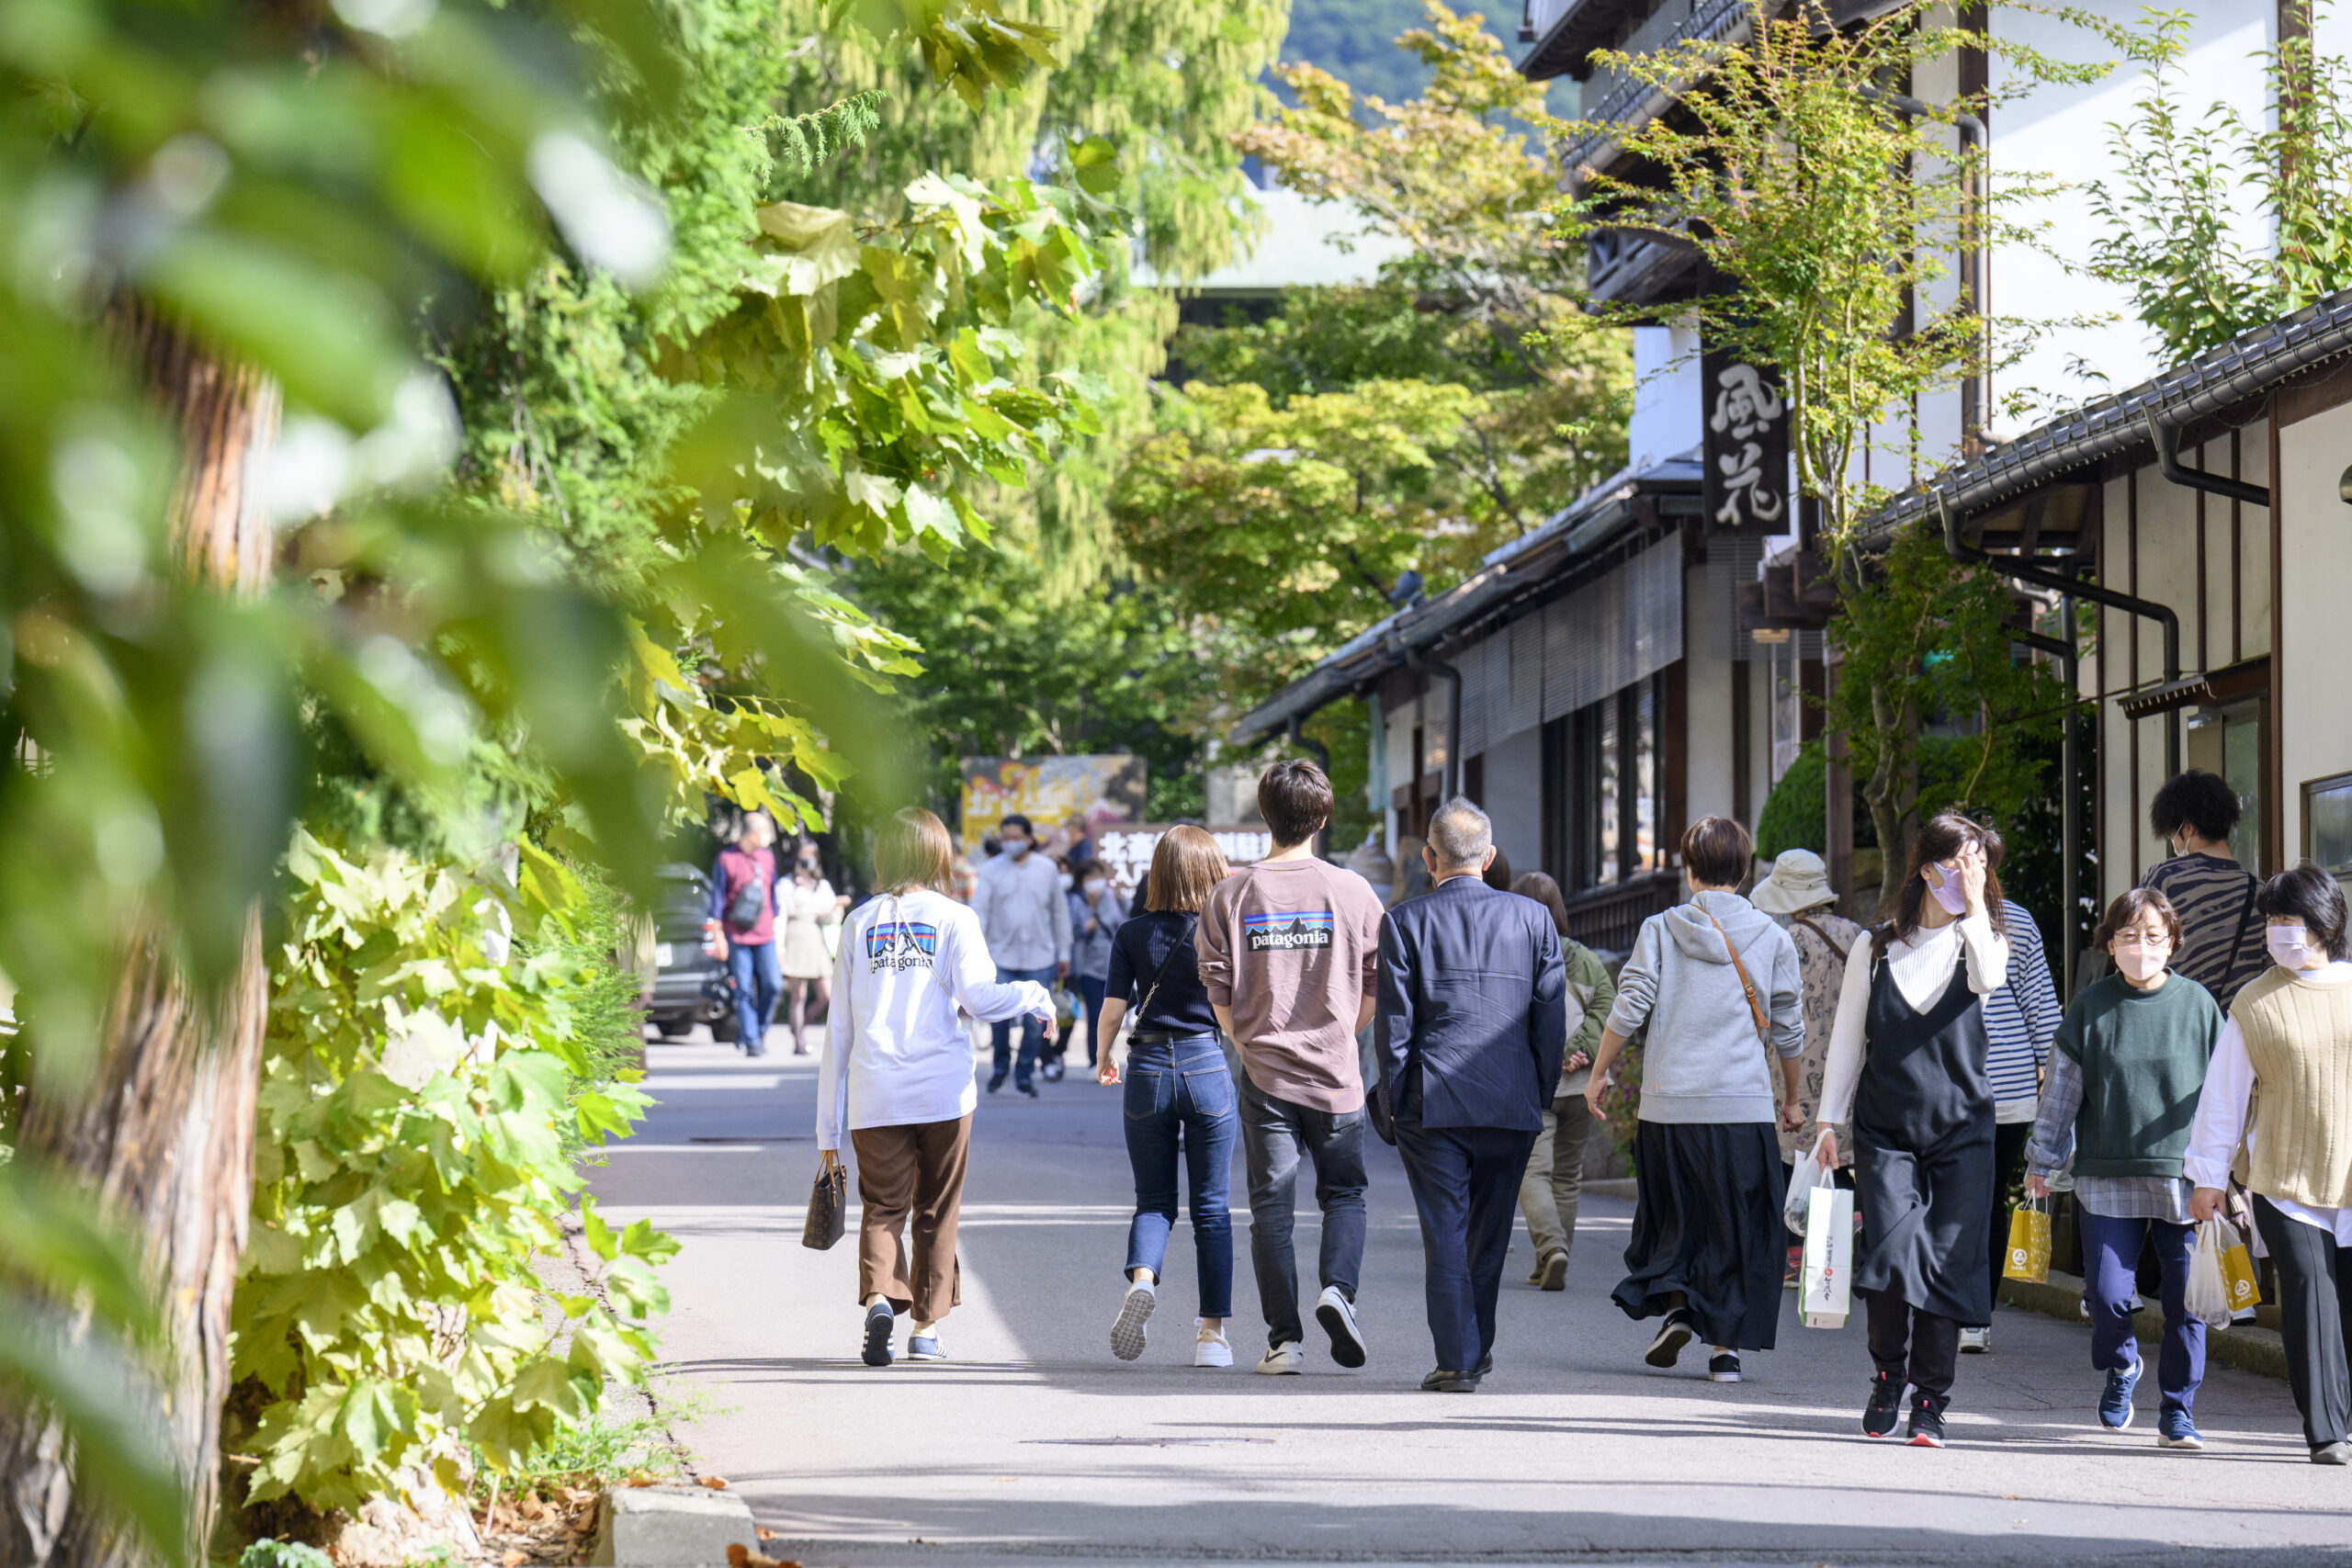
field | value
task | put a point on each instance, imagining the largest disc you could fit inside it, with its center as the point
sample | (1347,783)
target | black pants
(2314,1319)
(1466,1184)
(1919,1347)
(2008,1151)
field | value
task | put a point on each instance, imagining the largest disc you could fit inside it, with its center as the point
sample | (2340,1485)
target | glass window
(2327,823)
(1645,705)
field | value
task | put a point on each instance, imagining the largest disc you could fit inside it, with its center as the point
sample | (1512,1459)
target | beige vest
(2298,1036)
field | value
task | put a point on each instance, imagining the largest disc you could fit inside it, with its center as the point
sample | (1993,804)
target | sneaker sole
(1289,1371)
(1668,1347)
(1723,1377)
(1555,1272)
(1923,1440)
(2188,1445)
(1130,1332)
(878,1341)
(1346,1349)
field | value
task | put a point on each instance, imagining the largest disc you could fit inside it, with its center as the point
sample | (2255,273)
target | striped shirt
(2211,896)
(2020,1020)
(2051,1149)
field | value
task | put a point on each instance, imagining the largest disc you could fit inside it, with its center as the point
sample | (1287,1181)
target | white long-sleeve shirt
(1921,966)
(895,1052)
(2214,1135)
(1024,911)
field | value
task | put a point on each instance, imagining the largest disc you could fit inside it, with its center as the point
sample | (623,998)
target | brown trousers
(914,1170)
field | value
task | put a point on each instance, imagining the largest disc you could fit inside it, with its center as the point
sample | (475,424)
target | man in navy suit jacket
(1471,1021)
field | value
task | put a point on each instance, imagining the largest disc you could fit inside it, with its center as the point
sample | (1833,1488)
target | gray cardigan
(1702,1061)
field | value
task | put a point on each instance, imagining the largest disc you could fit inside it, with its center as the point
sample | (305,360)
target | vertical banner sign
(1747,447)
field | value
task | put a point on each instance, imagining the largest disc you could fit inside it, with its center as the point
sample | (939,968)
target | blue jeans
(2110,1253)
(1089,990)
(1032,1029)
(1178,1091)
(759,980)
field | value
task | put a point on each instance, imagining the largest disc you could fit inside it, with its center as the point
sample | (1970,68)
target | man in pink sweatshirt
(1288,951)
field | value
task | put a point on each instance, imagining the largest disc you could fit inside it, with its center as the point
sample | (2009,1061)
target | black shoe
(1028,1088)
(878,1324)
(1723,1367)
(1886,1404)
(1928,1421)
(1486,1364)
(996,1082)
(1444,1379)
(1677,1331)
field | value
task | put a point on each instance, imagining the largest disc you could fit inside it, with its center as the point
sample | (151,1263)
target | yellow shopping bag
(2237,1270)
(2030,1242)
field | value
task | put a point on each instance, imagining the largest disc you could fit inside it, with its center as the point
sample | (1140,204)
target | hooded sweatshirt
(1701,1060)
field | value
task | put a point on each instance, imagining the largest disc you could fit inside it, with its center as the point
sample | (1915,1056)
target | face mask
(2142,963)
(2289,945)
(1017,848)
(1949,894)
(1094,887)
(1066,882)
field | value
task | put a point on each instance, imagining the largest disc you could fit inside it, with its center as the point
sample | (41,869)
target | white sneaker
(1132,1327)
(1212,1349)
(1976,1341)
(1282,1359)
(1338,1316)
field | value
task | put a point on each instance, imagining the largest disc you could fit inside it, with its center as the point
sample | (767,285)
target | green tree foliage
(2171,217)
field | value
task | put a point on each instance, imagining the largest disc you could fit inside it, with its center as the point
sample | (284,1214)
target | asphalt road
(1033,1443)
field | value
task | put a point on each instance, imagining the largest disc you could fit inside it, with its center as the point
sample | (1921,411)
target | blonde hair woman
(897,1075)
(1178,1094)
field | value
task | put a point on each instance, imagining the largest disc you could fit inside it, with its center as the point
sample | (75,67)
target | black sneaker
(1886,1404)
(996,1082)
(1722,1367)
(1446,1381)
(1677,1331)
(1928,1421)
(1028,1088)
(878,1324)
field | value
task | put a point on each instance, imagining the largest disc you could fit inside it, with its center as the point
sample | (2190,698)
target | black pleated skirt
(1707,1222)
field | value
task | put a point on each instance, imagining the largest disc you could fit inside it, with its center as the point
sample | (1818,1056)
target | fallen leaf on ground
(767,1534)
(641,1478)
(742,1556)
(716,1482)
(514,1559)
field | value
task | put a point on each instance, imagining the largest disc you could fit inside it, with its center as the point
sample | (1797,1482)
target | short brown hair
(1543,890)
(1295,797)
(913,850)
(1717,852)
(2129,906)
(1186,867)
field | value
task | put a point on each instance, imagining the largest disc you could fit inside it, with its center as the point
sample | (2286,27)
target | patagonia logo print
(900,945)
(1284,930)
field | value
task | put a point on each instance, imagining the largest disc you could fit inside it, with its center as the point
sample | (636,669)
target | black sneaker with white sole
(1338,1316)
(1677,1331)
(1723,1367)
(1885,1407)
(879,1321)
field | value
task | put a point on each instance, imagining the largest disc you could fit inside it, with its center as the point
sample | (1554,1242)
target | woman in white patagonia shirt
(2287,1049)
(897,1074)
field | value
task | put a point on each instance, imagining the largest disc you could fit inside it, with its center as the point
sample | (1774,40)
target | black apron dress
(1923,1151)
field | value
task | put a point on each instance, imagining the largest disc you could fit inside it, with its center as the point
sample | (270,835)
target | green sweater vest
(2143,1055)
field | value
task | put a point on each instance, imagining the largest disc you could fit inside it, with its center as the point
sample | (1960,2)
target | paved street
(1033,1443)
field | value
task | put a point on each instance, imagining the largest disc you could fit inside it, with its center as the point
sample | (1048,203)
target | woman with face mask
(1096,913)
(1908,1072)
(2276,1111)
(2131,1060)
(807,904)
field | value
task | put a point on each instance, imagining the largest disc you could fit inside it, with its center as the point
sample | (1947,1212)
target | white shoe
(1212,1349)
(1338,1316)
(1976,1341)
(1282,1359)
(1132,1329)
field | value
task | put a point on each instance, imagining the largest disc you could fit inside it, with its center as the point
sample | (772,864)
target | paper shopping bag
(2030,1242)
(2237,1268)
(1825,1287)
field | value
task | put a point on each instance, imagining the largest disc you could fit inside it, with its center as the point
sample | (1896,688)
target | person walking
(1908,1067)
(1797,896)
(1472,1019)
(1716,983)
(896,1077)
(1025,918)
(2124,1083)
(2221,931)
(744,905)
(2280,1086)
(1289,950)
(1096,913)
(1554,1181)
(2021,1017)
(1180,1095)
(806,904)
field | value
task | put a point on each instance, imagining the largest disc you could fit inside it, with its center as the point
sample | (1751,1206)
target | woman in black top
(1178,1094)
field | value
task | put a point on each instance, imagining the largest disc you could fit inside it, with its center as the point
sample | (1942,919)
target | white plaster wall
(1400,725)
(1514,780)
(1668,400)
(1707,695)
(2315,728)
(2254,564)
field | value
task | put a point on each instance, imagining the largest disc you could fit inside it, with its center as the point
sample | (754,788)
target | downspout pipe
(1450,777)
(2019,571)
(1296,734)
(2167,441)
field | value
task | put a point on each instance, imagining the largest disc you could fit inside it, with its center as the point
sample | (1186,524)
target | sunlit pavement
(1033,1443)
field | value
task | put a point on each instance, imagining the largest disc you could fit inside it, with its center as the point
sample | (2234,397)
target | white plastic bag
(1825,1285)
(1800,1195)
(2207,1295)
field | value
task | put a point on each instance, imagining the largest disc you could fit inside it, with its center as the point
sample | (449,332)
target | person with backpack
(1715,983)
(1549,1195)
(1180,1096)
(744,907)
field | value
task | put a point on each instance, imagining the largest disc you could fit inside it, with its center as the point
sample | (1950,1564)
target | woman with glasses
(2130,1061)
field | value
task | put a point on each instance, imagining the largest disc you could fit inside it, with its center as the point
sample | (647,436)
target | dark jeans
(1179,1093)
(759,980)
(1033,1028)
(1466,1184)
(1089,990)
(2314,1319)
(1919,1347)
(2010,1139)
(2110,1257)
(1274,1132)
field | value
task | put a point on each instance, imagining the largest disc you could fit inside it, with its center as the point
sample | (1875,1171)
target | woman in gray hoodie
(1716,982)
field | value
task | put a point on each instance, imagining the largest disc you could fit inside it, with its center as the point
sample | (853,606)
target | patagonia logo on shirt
(1282,930)
(900,945)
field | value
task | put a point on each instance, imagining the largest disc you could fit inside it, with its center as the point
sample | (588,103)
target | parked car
(690,987)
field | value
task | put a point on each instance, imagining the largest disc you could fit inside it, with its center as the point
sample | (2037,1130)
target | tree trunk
(165,1134)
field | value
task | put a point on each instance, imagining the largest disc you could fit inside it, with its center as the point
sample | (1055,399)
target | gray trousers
(1274,1132)
(1548,1193)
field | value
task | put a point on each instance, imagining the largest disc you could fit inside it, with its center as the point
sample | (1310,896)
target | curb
(2245,1346)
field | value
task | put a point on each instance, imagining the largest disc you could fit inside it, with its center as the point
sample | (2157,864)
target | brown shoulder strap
(1754,1007)
(1824,935)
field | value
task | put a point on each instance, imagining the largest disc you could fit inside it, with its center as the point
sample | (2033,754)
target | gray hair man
(1470,1025)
